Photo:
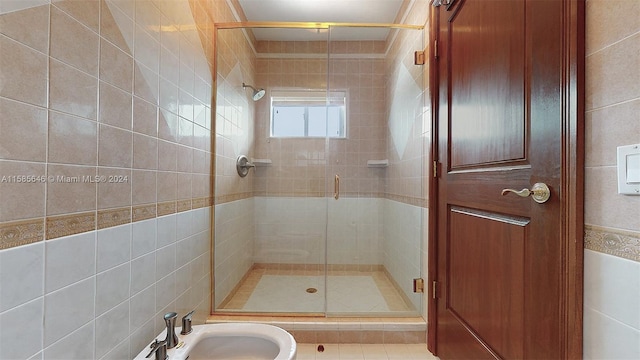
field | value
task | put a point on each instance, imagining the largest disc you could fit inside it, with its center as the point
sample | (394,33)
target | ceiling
(335,11)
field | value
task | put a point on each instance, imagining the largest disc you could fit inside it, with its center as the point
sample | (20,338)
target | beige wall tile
(143,187)
(168,65)
(168,96)
(116,27)
(22,190)
(68,192)
(73,43)
(610,21)
(126,6)
(167,125)
(148,17)
(72,140)
(23,73)
(185,104)
(114,188)
(167,186)
(115,107)
(167,156)
(201,138)
(185,159)
(184,186)
(145,152)
(185,132)
(85,11)
(606,84)
(72,91)
(603,205)
(114,147)
(200,186)
(145,83)
(145,117)
(23,131)
(201,162)
(116,66)
(146,49)
(28,26)
(608,128)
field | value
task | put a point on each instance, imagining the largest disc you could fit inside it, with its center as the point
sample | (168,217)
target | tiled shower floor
(292,291)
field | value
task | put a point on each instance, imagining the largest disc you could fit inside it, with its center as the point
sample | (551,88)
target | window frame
(297,98)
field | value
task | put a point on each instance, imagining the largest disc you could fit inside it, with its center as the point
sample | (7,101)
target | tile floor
(267,290)
(365,352)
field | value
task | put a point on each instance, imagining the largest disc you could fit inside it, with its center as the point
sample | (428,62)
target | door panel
(505,118)
(487,82)
(486,255)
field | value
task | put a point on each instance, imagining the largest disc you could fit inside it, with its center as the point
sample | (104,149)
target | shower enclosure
(329,217)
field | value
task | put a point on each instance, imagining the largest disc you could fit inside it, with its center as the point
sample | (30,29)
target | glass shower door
(271,224)
(374,221)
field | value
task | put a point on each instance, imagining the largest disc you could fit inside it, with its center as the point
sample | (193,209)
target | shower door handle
(336,187)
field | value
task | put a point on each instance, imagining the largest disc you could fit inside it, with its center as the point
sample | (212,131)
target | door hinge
(435,49)
(434,286)
(418,58)
(418,285)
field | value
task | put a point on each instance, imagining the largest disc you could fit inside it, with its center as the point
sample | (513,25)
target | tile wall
(105,153)
(236,64)
(612,236)
(299,165)
(234,207)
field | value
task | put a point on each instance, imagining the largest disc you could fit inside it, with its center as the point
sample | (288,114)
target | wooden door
(507,101)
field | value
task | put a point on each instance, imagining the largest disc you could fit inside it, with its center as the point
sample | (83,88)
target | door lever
(539,192)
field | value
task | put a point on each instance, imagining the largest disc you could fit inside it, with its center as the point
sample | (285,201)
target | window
(307,113)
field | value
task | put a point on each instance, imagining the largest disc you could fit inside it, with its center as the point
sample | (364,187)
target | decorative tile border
(65,225)
(199,203)
(620,243)
(144,212)
(183,205)
(167,208)
(20,233)
(113,217)
(23,232)
(420,202)
(221,199)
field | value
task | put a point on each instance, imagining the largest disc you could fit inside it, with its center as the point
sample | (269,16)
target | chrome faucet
(172,338)
(159,348)
(186,324)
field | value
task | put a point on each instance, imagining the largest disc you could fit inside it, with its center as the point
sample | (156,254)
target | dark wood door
(507,98)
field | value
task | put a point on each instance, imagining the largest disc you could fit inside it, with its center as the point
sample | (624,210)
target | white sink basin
(229,341)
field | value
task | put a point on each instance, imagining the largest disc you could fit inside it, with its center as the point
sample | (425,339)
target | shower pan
(329,221)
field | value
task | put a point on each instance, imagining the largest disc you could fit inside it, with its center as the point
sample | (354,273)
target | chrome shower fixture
(257,93)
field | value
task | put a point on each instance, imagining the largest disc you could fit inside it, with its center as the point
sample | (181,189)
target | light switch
(629,169)
(633,168)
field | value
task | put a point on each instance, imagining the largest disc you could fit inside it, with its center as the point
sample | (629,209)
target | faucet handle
(186,323)
(159,348)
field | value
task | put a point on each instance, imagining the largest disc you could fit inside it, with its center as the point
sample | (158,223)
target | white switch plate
(629,169)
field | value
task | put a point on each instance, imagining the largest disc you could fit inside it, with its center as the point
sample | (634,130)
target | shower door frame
(276,25)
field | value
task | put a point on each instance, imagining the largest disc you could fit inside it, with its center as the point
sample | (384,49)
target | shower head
(257,93)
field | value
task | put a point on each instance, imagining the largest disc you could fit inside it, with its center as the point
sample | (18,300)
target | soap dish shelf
(378,163)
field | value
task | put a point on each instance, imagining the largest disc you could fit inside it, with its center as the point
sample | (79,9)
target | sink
(229,341)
